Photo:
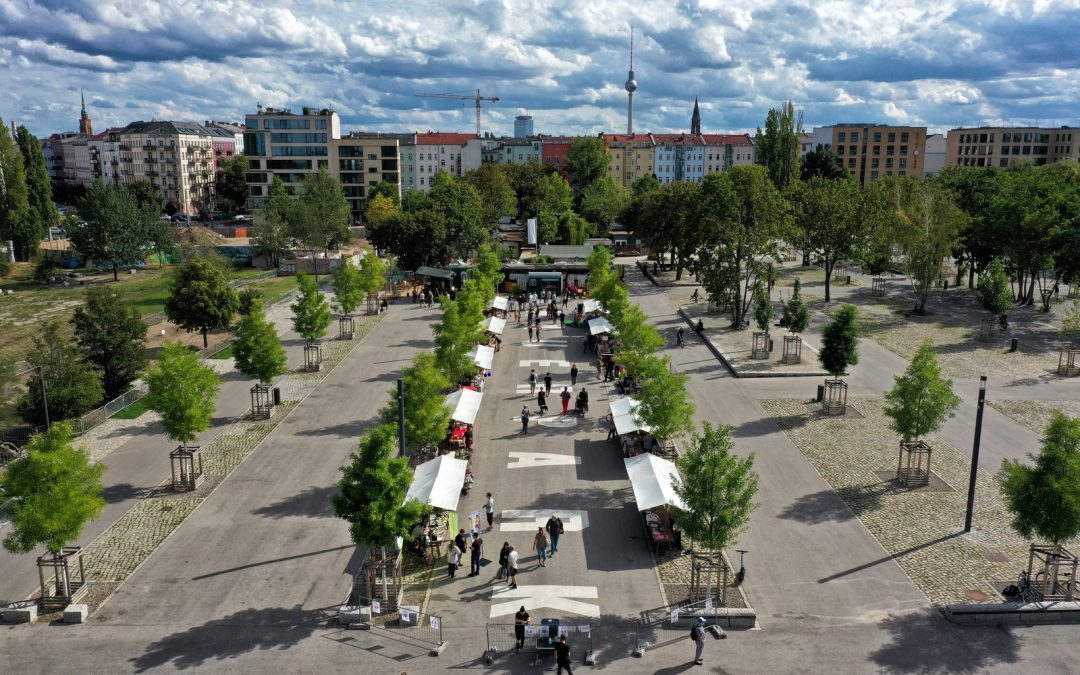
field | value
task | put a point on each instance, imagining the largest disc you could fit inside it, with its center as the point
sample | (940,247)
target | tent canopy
(465,403)
(592,306)
(652,478)
(493,324)
(482,356)
(499,303)
(438,482)
(624,416)
(434,272)
(600,325)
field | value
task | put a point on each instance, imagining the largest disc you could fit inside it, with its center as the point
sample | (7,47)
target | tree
(385,189)
(247,299)
(718,490)
(183,391)
(146,196)
(777,148)
(586,162)
(111,336)
(230,183)
(18,222)
(763,308)
(319,216)
(380,209)
(116,229)
(743,217)
(373,270)
(311,311)
(200,299)
(456,332)
(414,200)
(822,162)
(921,399)
(426,411)
(840,342)
(602,202)
(573,229)
(463,211)
(636,332)
(257,348)
(72,386)
(372,491)
(993,292)
(1070,324)
(38,186)
(981,237)
(669,223)
(1045,498)
(271,237)
(415,238)
(539,188)
(54,491)
(665,405)
(497,196)
(348,287)
(796,313)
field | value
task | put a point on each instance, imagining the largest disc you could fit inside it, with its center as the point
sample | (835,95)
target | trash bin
(1015,345)
(277,395)
(849,279)
(820,393)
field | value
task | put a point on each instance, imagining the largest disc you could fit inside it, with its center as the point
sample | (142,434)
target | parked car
(241,218)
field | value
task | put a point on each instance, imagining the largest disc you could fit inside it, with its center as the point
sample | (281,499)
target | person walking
(538,326)
(521,619)
(504,557)
(547,383)
(512,566)
(554,529)
(476,552)
(533,379)
(541,401)
(460,540)
(540,543)
(573,374)
(679,337)
(453,559)
(697,634)
(530,332)
(562,656)
(524,420)
(489,509)
(565,396)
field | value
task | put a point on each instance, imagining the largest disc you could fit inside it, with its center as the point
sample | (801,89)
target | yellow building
(872,151)
(1007,146)
(631,157)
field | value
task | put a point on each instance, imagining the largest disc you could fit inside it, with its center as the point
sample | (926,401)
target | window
(892,137)
(903,149)
(279,164)
(1006,138)
(888,162)
(874,163)
(840,137)
(287,124)
(889,150)
(877,136)
(1003,162)
(901,173)
(854,136)
(1027,138)
(903,162)
(371,156)
(851,163)
(1027,149)
(254,163)
(877,149)
(903,137)
(297,138)
(1015,150)
(873,175)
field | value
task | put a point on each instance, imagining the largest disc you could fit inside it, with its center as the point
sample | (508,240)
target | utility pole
(44,398)
(975,455)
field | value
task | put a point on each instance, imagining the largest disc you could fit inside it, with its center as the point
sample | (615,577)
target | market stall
(600,326)
(493,327)
(464,404)
(499,306)
(483,356)
(439,483)
(634,436)
(652,479)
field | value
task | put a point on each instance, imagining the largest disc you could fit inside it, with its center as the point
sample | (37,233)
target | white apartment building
(444,151)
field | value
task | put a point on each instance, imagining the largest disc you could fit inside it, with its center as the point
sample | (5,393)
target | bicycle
(741,574)
(1023,591)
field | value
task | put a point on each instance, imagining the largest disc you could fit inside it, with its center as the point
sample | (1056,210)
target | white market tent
(600,325)
(499,303)
(493,325)
(652,478)
(438,482)
(591,306)
(624,416)
(464,403)
(482,356)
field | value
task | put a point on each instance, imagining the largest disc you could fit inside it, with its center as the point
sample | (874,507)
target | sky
(940,64)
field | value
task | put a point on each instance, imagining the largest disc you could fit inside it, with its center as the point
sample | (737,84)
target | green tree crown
(1070,323)
(763,308)
(348,287)
(993,292)
(587,162)
(426,410)
(117,231)
(54,492)
(73,386)
(183,391)
(921,399)
(665,405)
(18,221)
(840,342)
(43,212)
(257,348)
(796,313)
(311,311)
(112,336)
(201,299)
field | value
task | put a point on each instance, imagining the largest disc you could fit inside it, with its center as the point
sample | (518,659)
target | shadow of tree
(917,645)
(351,429)
(230,637)
(314,502)
(818,507)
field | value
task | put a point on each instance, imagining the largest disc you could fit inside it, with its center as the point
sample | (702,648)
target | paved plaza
(251,580)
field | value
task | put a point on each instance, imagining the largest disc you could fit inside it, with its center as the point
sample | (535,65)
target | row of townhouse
(674,157)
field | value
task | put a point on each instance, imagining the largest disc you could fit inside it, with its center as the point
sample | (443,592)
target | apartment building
(278,142)
(435,151)
(872,151)
(723,151)
(632,157)
(1008,146)
(227,139)
(554,151)
(361,160)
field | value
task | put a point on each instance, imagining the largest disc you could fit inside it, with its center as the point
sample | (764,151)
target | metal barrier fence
(96,417)
(539,639)
(672,623)
(410,624)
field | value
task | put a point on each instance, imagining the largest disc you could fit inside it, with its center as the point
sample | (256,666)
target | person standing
(562,656)
(453,558)
(541,401)
(554,528)
(547,383)
(524,420)
(521,619)
(460,541)
(540,543)
(697,633)
(530,332)
(489,509)
(565,396)
(504,558)
(533,379)
(476,552)
(511,566)
(573,375)
(538,326)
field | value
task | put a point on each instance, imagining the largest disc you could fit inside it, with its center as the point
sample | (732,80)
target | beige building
(872,151)
(1007,146)
(632,157)
(361,160)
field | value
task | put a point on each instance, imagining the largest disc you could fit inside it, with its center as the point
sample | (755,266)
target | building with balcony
(177,158)
(872,151)
(361,160)
(454,153)
(1008,146)
(631,155)
(279,142)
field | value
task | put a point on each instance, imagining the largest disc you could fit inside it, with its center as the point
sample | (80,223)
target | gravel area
(920,528)
(1035,415)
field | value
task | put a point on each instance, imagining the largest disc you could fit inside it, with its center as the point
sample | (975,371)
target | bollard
(849,279)
(277,395)
(1015,345)
(820,393)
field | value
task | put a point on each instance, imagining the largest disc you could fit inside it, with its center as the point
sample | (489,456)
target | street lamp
(975,455)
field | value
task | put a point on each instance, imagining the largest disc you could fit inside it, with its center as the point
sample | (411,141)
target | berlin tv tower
(631,87)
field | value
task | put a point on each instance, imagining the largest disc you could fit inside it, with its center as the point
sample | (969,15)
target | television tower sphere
(631,85)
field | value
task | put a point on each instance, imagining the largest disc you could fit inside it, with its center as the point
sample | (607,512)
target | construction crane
(470,97)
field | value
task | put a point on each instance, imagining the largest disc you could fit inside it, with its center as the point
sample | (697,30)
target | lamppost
(44,398)
(975,455)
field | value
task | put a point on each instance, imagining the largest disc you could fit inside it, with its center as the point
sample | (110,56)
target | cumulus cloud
(942,64)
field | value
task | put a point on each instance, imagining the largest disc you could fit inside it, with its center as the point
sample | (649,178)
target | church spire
(86,128)
(695,119)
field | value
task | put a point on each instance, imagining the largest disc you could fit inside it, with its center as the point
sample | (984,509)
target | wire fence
(539,639)
(408,623)
(96,417)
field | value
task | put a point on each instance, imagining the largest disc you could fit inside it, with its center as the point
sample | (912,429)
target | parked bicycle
(1023,590)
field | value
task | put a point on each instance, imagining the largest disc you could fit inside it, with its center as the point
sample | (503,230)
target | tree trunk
(806,258)
(971,277)
(1031,292)
(828,279)
(205,344)
(115,272)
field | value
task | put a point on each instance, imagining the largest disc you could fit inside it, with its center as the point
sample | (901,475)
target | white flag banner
(405,616)
(544,631)
(435,622)
(708,605)
(530,225)
(376,608)
(583,628)
(674,616)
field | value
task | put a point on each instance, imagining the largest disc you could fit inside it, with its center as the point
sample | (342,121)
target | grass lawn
(132,411)
(226,353)
(276,288)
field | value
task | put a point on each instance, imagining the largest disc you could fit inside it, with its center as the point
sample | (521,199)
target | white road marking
(556,387)
(528,460)
(546,342)
(527,520)
(544,363)
(567,421)
(548,597)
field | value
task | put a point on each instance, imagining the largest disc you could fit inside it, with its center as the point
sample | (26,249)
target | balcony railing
(151,160)
(151,173)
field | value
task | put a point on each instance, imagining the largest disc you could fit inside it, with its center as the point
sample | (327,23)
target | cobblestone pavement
(120,549)
(1035,415)
(921,528)
(673,569)
(112,433)
(736,346)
